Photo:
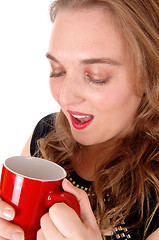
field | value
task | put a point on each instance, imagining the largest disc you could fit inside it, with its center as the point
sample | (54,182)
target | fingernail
(18,236)
(8,214)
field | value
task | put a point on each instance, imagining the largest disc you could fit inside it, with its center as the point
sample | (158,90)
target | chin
(84,140)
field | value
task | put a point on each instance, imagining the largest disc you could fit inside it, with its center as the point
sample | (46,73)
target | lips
(80,120)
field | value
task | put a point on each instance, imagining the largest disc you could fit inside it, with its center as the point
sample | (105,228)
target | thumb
(87,216)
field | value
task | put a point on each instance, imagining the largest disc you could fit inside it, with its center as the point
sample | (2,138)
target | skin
(113,103)
(69,44)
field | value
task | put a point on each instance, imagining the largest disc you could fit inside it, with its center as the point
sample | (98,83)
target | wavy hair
(130,171)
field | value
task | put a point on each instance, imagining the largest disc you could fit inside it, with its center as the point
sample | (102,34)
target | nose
(71,92)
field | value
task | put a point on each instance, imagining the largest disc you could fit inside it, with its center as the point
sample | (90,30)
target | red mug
(32,185)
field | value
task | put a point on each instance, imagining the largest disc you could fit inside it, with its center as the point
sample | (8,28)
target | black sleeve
(44,126)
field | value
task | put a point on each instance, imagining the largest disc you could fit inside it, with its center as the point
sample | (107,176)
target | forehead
(86,31)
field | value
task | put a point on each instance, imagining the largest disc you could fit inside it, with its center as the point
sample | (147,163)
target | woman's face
(92,75)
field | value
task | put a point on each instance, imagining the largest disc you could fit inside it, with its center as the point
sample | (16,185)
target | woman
(104,57)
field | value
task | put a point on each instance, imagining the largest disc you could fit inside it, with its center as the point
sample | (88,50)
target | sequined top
(123,231)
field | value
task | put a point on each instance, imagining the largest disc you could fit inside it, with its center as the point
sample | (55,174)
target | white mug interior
(35,168)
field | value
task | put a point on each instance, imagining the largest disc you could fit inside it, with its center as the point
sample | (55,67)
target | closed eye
(101,81)
(56,75)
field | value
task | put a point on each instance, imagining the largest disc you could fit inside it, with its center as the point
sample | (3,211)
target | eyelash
(97,81)
(56,75)
(89,78)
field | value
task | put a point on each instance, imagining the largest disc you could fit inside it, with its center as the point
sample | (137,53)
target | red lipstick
(80,120)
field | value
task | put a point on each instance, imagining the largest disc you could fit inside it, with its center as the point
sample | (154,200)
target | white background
(25,96)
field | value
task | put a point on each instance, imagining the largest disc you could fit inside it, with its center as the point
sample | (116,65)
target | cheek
(107,99)
(114,99)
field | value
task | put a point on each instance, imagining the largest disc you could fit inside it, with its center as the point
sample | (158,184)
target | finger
(40,235)
(66,221)
(6,211)
(87,215)
(49,229)
(9,230)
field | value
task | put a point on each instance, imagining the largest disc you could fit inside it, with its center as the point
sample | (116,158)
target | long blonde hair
(130,172)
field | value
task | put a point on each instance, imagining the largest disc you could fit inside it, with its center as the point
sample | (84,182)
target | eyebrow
(49,56)
(88,61)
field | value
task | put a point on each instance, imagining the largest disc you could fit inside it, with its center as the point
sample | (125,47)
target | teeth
(82,118)
(79,116)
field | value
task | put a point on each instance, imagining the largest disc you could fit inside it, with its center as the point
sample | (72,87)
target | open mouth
(80,120)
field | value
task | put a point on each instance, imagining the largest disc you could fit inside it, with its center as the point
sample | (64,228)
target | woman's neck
(88,159)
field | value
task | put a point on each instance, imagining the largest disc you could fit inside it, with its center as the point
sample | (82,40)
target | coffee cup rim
(34,178)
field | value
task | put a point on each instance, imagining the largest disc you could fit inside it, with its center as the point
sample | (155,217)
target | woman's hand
(62,223)
(8,230)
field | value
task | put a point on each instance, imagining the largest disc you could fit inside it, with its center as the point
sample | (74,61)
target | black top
(45,126)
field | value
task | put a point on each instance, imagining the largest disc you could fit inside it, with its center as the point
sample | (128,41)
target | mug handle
(65,197)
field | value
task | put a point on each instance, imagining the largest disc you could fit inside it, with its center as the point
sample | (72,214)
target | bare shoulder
(154,235)
(26,149)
